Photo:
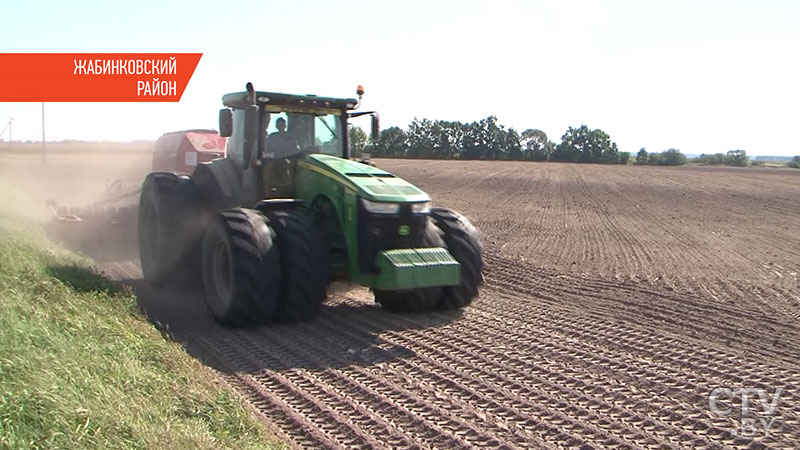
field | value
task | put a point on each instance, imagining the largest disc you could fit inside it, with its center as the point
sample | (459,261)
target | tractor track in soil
(527,365)
(616,300)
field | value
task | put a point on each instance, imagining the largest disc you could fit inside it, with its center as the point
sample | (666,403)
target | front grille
(380,232)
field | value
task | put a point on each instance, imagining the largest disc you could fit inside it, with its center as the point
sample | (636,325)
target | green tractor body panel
(343,183)
(411,268)
(368,182)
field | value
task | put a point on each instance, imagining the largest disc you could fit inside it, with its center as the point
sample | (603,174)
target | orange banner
(95,77)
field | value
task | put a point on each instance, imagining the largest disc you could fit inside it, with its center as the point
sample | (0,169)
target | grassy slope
(81,368)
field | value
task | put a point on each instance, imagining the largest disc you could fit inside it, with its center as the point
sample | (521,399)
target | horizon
(4,146)
(701,78)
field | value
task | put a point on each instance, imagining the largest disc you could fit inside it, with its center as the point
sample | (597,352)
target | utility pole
(10,130)
(44,145)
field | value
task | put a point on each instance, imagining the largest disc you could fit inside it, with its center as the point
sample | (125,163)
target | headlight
(381,208)
(421,208)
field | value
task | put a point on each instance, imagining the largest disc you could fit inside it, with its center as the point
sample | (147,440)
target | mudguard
(219,184)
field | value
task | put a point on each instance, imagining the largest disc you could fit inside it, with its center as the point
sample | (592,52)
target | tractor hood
(369,182)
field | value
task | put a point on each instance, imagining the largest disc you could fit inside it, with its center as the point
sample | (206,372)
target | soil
(616,300)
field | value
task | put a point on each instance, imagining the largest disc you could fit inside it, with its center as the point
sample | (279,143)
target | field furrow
(617,300)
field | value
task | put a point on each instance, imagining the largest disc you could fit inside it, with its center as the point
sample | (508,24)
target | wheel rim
(223,271)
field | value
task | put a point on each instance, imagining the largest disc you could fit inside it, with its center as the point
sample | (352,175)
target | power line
(10,120)
(8,127)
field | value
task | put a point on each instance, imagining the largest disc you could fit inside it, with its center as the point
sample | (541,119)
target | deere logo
(403,230)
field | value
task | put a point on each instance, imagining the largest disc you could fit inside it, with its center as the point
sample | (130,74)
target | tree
(737,158)
(536,146)
(492,136)
(572,144)
(484,139)
(358,141)
(421,140)
(585,145)
(448,137)
(672,157)
(641,157)
(511,144)
(716,159)
(795,162)
(393,143)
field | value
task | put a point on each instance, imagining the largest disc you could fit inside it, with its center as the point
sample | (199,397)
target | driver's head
(281,124)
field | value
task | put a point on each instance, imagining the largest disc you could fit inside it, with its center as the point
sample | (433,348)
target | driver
(281,143)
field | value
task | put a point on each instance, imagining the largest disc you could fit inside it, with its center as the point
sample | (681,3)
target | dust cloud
(77,182)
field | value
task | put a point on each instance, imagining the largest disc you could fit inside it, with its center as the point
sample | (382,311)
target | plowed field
(618,302)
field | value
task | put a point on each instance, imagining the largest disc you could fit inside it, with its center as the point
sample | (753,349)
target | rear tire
(171,226)
(463,241)
(241,268)
(415,300)
(304,262)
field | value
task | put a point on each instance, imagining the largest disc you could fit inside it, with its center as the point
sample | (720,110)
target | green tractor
(287,210)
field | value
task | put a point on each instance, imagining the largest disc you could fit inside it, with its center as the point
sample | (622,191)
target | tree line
(487,139)
(737,158)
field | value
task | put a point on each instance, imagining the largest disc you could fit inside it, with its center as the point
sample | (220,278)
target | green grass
(81,368)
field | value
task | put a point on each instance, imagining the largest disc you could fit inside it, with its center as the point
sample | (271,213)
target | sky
(699,76)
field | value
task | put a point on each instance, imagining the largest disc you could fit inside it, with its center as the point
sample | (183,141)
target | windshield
(288,133)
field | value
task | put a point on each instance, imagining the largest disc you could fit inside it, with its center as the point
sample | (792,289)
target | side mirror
(225,122)
(376,127)
(250,134)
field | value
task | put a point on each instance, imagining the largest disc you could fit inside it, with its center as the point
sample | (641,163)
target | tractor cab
(270,132)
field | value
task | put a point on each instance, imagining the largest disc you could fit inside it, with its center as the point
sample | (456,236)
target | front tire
(304,260)
(463,241)
(241,268)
